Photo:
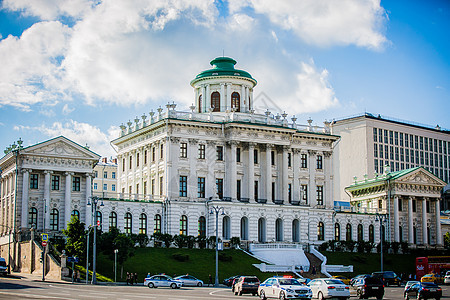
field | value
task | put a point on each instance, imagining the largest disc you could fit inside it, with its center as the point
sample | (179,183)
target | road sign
(44,243)
(73,259)
(44,237)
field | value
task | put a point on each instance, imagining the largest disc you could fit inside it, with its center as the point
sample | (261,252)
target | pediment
(421,177)
(61,147)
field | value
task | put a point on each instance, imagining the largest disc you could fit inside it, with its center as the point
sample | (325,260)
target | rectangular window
(238,155)
(34,181)
(411,141)
(391,137)
(76,183)
(402,154)
(137,160)
(273,191)
(426,159)
(319,162)
(145,188)
(130,190)
(201,151)
(131,162)
(414,206)
(95,185)
(421,158)
(381,151)
(145,157)
(396,138)
(400,204)
(428,206)
(201,187)
(440,146)
(406,155)
(406,140)
(416,142)
(401,139)
(153,187)
(375,163)
(396,153)
(375,150)
(161,185)
(113,187)
(255,156)
(386,152)
(95,174)
(55,182)
(304,193)
(255,191)
(183,150)
(137,188)
(289,159)
(105,186)
(105,174)
(303,161)
(289,192)
(238,189)
(183,186)
(421,143)
(219,153)
(426,144)
(272,158)
(219,187)
(380,135)
(319,191)
(123,165)
(113,175)
(386,136)
(153,154)
(161,151)
(391,152)
(375,137)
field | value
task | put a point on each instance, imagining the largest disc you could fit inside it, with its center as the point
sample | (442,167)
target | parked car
(246,285)
(283,288)
(229,280)
(303,280)
(423,290)
(367,287)
(359,276)
(3,267)
(435,278)
(162,281)
(342,278)
(410,283)
(323,288)
(447,278)
(189,280)
(388,277)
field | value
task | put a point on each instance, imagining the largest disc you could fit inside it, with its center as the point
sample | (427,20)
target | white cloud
(66,109)
(50,9)
(325,22)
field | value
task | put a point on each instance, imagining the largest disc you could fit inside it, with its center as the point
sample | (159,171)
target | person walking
(131,278)
(135,278)
(210,280)
(128,277)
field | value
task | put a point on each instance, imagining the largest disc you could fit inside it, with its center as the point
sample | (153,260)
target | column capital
(312,152)
(286,148)
(296,150)
(269,146)
(89,174)
(174,139)
(48,172)
(211,143)
(327,153)
(26,170)
(233,143)
(193,141)
(252,144)
(69,173)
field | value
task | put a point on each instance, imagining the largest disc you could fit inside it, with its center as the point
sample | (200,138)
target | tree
(167,239)
(76,238)
(142,239)
(447,240)
(113,239)
(235,241)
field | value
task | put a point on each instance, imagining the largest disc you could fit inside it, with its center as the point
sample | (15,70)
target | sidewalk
(33,277)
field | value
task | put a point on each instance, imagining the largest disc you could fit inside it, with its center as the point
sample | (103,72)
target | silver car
(189,280)
(162,281)
(324,288)
(283,288)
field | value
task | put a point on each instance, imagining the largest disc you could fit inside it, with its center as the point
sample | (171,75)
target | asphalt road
(15,288)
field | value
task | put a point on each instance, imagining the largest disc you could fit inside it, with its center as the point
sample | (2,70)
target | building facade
(105,176)
(368,143)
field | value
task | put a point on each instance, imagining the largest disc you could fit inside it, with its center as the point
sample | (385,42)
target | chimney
(115,161)
(104,160)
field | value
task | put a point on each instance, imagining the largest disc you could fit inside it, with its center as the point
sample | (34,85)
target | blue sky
(80,68)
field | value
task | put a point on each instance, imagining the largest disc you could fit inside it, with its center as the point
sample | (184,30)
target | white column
(204,104)
(438,222)
(312,178)
(242,95)
(88,196)
(410,221)
(233,177)
(68,200)
(284,174)
(244,105)
(47,198)
(251,171)
(296,196)
(222,97)
(228,103)
(207,97)
(25,188)
(250,100)
(396,221)
(268,173)
(424,221)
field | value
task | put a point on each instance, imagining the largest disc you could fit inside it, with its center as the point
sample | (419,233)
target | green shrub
(225,257)
(180,257)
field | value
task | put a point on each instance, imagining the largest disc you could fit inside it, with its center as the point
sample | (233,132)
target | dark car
(367,287)
(246,285)
(423,290)
(388,277)
(229,280)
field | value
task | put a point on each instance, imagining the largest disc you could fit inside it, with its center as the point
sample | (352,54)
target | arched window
(75,213)
(128,221)
(296,231)
(337,232)
(202,226)
(320,232)
(244,228)
(236,101)
(200,103)
(226,228)
(33,217)
(143,224)
(348,232)
(360,233)
(215,101)
(157,220)
(113,219)
(99,220)
(183,225)
(54,219)
(279,230)
(371,234)
(261,230)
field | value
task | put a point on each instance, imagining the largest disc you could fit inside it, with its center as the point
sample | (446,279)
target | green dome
(223,66)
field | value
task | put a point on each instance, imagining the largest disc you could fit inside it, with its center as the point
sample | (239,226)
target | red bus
(432,264)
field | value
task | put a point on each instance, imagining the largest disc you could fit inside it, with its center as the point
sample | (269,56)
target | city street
(15,288)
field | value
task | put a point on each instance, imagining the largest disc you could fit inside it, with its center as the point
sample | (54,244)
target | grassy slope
(201,263)
(367,263)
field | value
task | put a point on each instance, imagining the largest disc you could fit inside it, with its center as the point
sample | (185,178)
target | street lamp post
(216,210)
(115,265)
(381,219)
(87,253)
(95,200)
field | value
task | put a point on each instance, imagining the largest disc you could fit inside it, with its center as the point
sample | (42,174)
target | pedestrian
(135,278)
(210,280)
(301,270)
(78,276)
(313,270)
(74,276)
(128,277)
(148,275)
(131,278)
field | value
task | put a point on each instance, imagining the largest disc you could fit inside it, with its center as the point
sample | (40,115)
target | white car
(188,280)
(323,288)
(283,288)
(162,281)
(447,278)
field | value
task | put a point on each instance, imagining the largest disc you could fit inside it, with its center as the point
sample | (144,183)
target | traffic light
(40,259)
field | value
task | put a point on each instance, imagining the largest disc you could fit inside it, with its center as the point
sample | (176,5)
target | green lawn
(200,264)
(367,263)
